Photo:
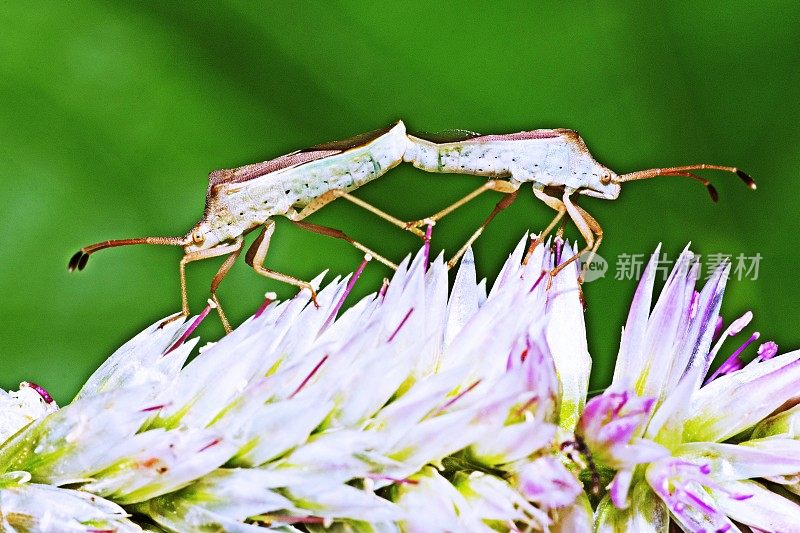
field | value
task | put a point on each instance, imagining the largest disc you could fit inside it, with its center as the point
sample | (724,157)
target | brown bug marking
(256,170)
(526,135)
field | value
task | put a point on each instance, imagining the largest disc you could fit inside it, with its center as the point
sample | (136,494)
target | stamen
(768,350)
(347,289)
(740,323)
(734,329)
(268,299)
(309,376)
(189,330)
(733,363)
(754,337)
(399,326)
(154,408)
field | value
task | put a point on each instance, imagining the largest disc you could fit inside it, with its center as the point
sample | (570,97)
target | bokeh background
(113,113)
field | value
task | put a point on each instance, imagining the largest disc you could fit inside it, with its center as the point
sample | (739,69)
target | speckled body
(547,158)
(239,203)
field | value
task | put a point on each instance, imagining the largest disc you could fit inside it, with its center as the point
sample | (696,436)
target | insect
(555,161)
(295,185)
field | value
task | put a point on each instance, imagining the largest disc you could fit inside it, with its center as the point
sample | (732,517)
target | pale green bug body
(239,205)
(546,158)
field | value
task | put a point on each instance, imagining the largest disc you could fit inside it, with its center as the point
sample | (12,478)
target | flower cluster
(420,409)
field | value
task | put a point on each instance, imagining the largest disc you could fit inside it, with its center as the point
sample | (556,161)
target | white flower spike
(415,410)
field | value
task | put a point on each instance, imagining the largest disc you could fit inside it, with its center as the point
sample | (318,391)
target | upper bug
(555,161)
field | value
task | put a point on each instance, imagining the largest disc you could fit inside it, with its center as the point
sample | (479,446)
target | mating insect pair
(555,161)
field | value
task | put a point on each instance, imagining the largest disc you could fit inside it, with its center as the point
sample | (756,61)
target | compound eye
(198,237)
(605,179)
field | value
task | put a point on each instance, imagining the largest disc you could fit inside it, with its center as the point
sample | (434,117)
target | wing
(352,142)
(454,136)
(256,170)
(448,136)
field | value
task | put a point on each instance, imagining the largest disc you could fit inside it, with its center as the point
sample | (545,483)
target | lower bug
(295,185)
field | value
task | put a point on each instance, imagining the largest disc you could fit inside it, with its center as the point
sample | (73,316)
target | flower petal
(726,406)
(231,493)
(74,442)
(20,408)
(431,503)
(767,457)
(576,518)
(35,507)
(156,462)
(514,442)
(547,482)
(142,360)
(566,338)
(646,513)
(492,498)
(764,510)
(786,423)
(630,364)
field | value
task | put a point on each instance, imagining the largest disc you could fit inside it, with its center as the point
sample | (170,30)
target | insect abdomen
(495,159)
(525,159)
(347,170)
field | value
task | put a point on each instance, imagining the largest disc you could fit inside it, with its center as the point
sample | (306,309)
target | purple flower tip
(189,330)
(41,390)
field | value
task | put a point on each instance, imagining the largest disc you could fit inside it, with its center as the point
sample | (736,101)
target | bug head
(602,183)
(200,237)
(686,172)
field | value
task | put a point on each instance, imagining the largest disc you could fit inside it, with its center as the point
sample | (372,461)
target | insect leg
(257,253)
(234,249)
(598,232)
(588,226)
(329,196)
(338,234)
(503,186)
(554,203)
(220,275)
(502,204)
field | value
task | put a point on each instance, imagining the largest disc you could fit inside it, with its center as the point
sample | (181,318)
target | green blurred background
(113,113)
